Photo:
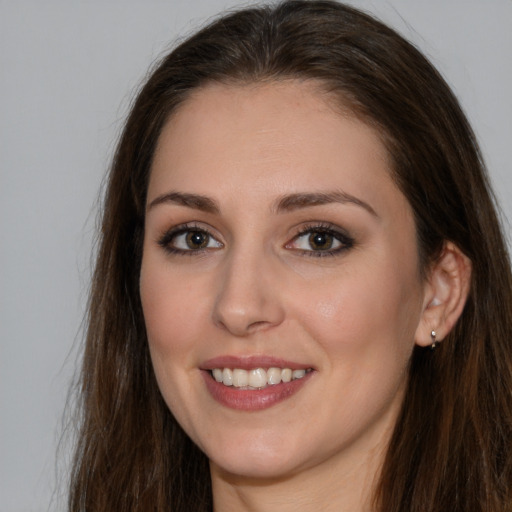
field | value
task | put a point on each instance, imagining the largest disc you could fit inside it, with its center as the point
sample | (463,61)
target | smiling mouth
(257,378)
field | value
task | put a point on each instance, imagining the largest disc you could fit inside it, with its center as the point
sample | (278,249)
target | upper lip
(250,362)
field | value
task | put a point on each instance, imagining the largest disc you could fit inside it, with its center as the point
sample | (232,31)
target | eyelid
(169,235)
(345,240)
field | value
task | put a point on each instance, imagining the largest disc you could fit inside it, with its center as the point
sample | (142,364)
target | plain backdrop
(68,71)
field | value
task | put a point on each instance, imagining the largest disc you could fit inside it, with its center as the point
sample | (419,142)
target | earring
(433,338)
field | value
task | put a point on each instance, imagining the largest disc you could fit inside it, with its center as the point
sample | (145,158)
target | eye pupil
(319,240)
(197,239)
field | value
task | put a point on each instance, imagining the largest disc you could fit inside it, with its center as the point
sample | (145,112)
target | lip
(250,362)
(257,399)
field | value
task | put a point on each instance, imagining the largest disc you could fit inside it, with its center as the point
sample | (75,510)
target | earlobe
(446,292)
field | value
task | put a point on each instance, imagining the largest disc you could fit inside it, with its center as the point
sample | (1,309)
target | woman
(302,295)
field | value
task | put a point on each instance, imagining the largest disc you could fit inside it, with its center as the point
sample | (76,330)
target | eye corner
(189,239)
(333,239)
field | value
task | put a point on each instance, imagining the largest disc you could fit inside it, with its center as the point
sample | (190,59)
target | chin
(260,469)
(255,460)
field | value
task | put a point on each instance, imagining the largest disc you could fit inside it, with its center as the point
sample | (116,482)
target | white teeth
(286,375)
(274,375)
(298,374)
(227,377)
(240,378)
(256,378)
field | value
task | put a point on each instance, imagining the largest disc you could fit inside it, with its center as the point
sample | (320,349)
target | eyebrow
(296,201)
(287,203)
(194,201)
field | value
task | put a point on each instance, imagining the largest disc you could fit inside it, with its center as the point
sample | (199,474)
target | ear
(445,294)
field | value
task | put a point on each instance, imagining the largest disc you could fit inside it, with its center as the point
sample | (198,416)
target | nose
(248,298)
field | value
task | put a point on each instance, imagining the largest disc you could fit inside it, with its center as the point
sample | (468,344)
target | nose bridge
(247,297)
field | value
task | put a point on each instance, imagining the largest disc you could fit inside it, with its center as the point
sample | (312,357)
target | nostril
(256,326)
(247,300)
(243,324)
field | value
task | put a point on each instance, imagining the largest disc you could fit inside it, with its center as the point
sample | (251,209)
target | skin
(259,289)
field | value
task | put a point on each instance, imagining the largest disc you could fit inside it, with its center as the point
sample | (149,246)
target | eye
(320,240)
(188,239)
(194,240)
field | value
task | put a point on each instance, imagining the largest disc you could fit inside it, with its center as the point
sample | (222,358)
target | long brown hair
(451,447)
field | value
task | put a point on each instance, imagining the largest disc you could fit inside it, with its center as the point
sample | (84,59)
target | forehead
(268,138)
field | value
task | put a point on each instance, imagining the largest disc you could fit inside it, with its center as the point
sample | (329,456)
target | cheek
(374,309)
(173,309)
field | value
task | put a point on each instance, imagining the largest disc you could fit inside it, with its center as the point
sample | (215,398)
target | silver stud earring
(433,338)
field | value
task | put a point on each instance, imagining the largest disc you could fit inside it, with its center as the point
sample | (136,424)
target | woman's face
(278,247)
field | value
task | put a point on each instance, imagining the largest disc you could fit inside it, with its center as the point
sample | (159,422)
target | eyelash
(346,242)
(169,236)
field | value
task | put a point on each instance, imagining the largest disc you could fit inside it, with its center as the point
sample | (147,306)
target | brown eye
(188,240)
(321,241)
(197,240)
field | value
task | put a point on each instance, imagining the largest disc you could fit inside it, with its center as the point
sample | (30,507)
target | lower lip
(252,400)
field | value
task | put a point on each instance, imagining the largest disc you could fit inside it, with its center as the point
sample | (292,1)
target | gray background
(68,70)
